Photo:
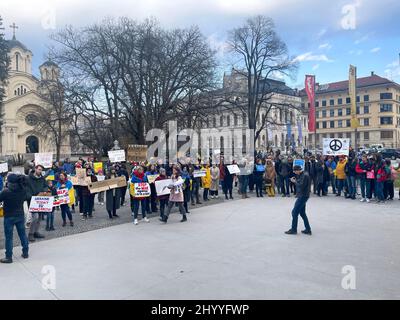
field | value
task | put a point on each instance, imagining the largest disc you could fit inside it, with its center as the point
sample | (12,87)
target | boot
(6,260)
(184,218)
(245,195)
(31,238)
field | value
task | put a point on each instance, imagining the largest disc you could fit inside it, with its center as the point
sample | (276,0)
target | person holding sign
(87,197)
(138,176)
(13,198)
(176,195)
(64,183)
(113,196)
(50,215)
(163,199)
(36,185)
(303,185)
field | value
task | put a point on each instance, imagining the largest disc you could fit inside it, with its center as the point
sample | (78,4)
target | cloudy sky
(325,36)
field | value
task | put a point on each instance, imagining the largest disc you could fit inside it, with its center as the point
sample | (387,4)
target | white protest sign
(161,187)
(3,167)
(336,147)
(233,169)
(141,189)
(44,159)
(199,173)
(41,204)
(116,155)
(100,178)
(61,198)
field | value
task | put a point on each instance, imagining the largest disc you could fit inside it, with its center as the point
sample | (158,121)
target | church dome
(16,44)
(49,63)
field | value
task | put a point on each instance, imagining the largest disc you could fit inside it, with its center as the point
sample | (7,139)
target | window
(340,135)
(31,119)
(386,95)
(366,122)
(348,123)
(340,101)
(366,98)
(244,119)
(316,114)
(214,122)
(303,105)
(366,135)
(332,124)
(386,120)
(348,100)
(331,102)
(332,112)
(386,134)
(324,124)
(348,135)
(228,120)
(340,112)
(348,111)
(317,103)
(235,119)
(317,125)
(358,109)
(366,109)
(17,61)
(221,121)
(323,113)
(324,103)
(340,124)
(385,107)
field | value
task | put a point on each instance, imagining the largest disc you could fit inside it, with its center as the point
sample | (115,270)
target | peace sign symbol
(335,145)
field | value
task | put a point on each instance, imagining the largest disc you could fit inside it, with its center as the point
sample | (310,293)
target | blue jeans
(50,219)
(363,186)
(351,184)
(300,209)
(65,211)
(340,185)
(379,190)
(135,207)
(244,182)
(19,223)
(286,185)
(333,183)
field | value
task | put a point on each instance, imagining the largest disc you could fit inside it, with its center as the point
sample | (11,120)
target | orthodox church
(18,134)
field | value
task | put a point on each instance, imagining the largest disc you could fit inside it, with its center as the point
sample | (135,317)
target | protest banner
(299,162)
(137,152)
(139,190)
(97,166)
(62,197)
(108,184)
(116,156)
(233,169)
(41,204)
(44,159)
(161,187)
(3,167)
(152,177)
(199,173)
(336,147)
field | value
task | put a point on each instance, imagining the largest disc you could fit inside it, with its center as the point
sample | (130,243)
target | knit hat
(297,168)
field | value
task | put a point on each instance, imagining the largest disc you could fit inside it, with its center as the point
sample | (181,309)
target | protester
(303,185)
(122,172)
(64,183)
(13,198)
(163,199)
(215,175)
(269,177)
(36,185)
(138,176)
(113,196)
(259,171)
(341,175)
(100,195)
(52,190)
(389,183)
(206,181)
(87,197)
(186,187)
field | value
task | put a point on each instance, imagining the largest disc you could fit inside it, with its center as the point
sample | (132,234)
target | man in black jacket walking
(303,183)
(13,198)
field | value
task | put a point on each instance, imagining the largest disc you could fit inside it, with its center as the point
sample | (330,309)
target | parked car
(390,154)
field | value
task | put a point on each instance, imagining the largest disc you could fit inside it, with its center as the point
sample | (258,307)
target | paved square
(231,250)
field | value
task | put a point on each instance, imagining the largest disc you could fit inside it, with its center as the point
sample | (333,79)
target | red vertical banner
(310,89)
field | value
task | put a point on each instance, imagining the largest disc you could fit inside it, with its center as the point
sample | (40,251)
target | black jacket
(303,184)
(36,185)
(13,198)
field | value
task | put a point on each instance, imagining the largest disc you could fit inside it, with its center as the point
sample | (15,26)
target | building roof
(276,86)
(373,80)
(49,63)
(15,43)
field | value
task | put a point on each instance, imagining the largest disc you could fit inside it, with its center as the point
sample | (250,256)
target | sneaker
(212,197)
(216,197)
(290,231)
(71,223)
(184,219)
(363,200)
(308,232)
(84,218)
(135,221)
(367,200)
(6,260)
(145,219)
(25,256)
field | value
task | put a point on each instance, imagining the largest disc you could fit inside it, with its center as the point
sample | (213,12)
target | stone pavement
(231,250)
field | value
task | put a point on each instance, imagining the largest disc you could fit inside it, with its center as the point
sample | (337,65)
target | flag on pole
(353,96)
(310,90)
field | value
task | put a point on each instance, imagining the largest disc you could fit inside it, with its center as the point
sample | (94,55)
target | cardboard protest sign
(62,197)
(299,162)
(233,169)
(107,184)
(80,179)
(41,204)
(97,166)
(44,159)
(336,147)
(199,173)
(116,155)
(3,167)
(152,177)
(140,190)
(137,152)
(161,187)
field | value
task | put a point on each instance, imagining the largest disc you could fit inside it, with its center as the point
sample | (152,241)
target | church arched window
(18,91)
(15,92)
(17,61)
(24,90)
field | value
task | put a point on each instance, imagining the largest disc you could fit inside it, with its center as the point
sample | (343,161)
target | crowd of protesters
(369,176)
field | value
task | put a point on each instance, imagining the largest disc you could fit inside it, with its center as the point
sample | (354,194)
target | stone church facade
(18,134)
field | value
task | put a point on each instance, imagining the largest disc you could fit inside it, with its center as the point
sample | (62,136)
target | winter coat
(340,170)
(110,198)
(215,174)
(85,189)
(138,178)
(13,198)
(35,185)
(176,194)
(270,174)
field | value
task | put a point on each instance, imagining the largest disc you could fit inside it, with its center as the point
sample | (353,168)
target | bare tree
(4,67)
(261,54)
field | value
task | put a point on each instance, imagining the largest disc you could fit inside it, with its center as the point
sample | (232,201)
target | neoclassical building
(18,134)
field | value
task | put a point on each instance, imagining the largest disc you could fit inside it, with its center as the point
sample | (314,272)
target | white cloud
(375,50)
(356,52)
(309,56)
(321,33)
(315,67)
(364,38)
(325,46)
(393,70)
